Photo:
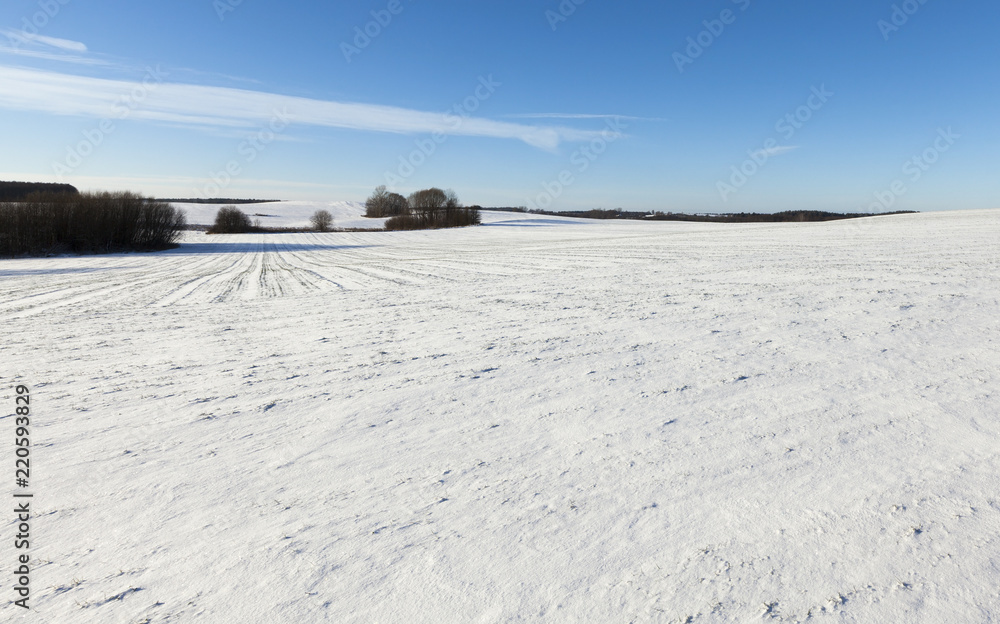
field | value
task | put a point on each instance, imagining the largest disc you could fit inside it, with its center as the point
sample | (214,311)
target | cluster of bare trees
(382,203)
(426,209)
(87,223)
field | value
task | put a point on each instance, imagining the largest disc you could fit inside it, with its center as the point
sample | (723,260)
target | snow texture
(535,420)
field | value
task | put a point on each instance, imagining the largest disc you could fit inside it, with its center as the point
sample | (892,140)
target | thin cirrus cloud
(580,116)
(54,56)
(52,42)
(154,99)
(777,150)
(27,45)
(16,39)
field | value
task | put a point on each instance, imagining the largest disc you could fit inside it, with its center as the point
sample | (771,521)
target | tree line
(425,209)
(46,223)
(787,216)
(18,191)
(218,200)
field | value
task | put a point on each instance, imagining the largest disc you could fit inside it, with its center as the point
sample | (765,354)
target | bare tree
(376,204)
(451,206)
(321,221)
(382,203)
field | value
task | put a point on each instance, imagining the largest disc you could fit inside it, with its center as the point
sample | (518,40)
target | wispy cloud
(25,44)
(62,44)
(580,116)
(65,94)
(776,150)
(16,37)
(240,133)
(53,56)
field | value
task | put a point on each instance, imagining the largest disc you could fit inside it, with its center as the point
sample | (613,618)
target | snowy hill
(286,213)
(345,214)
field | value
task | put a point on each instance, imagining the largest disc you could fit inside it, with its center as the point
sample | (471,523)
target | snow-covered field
(538,419)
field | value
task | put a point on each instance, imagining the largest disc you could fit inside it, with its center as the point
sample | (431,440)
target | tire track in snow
(292,261)
(185,291)
(234,286)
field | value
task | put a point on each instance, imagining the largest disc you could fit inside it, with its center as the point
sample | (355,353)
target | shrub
(87,223)
(321,220)
(231,220)
(404,222)
(450,214)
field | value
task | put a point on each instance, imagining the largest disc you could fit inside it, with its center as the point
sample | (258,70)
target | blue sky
(688,106)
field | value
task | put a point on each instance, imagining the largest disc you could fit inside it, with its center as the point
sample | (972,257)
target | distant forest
(789,216)
(17,191)
(217,200)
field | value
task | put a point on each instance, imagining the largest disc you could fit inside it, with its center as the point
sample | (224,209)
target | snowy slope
(286,213)
(537,420)
(345,214)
